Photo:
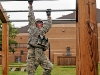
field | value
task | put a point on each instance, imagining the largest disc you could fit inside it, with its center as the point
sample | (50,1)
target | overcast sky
(23,5)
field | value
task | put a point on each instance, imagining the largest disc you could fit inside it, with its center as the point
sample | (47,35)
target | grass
(57,70)
(16,63)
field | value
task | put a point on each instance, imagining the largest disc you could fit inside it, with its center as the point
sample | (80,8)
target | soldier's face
(39,24)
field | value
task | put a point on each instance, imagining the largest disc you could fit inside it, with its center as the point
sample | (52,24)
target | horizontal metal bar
(27,0)
(43,20)
(55,10)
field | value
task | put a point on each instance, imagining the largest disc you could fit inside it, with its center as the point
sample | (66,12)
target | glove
(48,12)
(30,2)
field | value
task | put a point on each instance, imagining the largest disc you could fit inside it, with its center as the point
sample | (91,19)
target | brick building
(61,36)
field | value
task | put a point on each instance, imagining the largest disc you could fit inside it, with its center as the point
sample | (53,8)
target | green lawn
(57,70)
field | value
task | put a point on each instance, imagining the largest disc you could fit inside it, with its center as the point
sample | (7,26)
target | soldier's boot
(47,72)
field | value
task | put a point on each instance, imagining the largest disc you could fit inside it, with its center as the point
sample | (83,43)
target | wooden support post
(3,16)
(5,48)
(5,35)
(87,38)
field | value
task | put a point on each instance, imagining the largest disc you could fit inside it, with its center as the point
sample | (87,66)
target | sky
(39,5)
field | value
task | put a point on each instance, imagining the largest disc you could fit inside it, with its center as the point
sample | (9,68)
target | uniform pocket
(31,53)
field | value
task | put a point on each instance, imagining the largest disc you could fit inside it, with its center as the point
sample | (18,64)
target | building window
(20,37)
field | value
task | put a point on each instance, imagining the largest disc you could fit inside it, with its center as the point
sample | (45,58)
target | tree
(12,34)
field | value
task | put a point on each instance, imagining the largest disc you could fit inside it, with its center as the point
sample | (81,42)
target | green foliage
(0,36)
(0,32)
(12,34)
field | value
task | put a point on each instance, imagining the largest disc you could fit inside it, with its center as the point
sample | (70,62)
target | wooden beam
(5,48)
(3,16)
(87,38)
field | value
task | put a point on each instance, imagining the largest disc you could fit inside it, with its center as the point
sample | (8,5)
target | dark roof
(69,16)
(98,15)
(73,16)
(23,29)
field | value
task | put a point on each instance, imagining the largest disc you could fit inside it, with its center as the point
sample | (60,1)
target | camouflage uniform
(37,44)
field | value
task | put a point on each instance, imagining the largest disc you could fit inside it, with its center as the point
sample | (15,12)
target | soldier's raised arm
(47,25)
(31,16)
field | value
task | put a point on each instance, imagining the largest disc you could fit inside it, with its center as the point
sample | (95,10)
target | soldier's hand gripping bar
(48,12)
(30,2)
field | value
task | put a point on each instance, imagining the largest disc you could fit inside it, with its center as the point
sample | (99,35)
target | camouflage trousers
(36,57)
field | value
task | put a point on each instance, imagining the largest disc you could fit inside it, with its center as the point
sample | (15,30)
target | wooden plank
(5,48)
(3,16)
(13,69)
(87,43)
(23,69)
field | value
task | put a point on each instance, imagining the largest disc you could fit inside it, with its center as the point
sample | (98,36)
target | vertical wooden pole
(5,48)
(77,42)
(87,38)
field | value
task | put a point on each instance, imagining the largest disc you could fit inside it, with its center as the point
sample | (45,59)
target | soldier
(38,43)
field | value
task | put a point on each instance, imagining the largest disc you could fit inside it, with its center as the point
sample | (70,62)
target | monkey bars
(43,20)
(56,10)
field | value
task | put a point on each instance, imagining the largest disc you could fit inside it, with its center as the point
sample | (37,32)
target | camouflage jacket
(34,31)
